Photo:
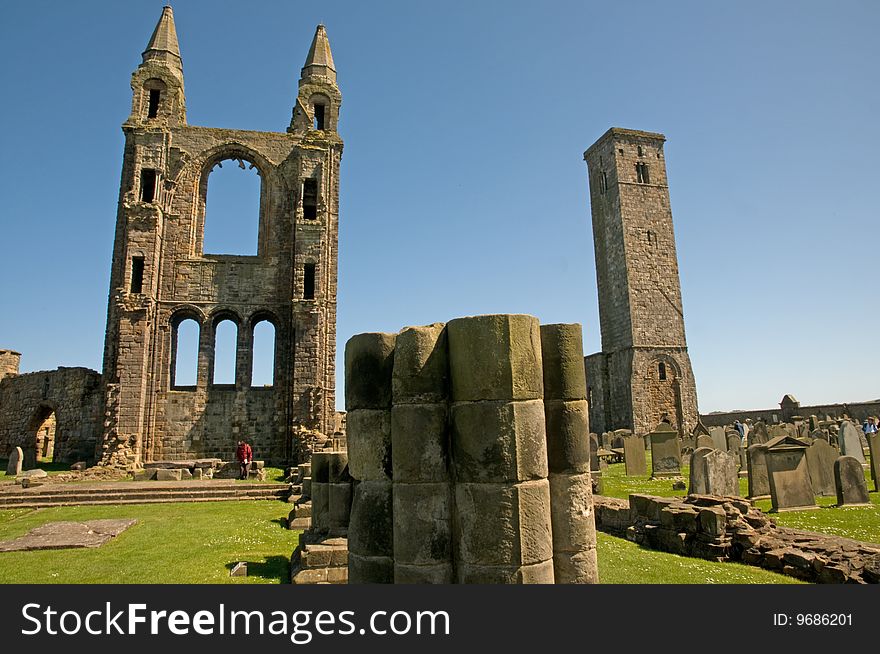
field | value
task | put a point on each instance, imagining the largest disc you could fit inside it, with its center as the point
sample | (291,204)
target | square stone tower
(161,276)
(643,373)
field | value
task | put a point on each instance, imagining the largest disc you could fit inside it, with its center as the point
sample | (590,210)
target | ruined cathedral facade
(643,374)
(162,277)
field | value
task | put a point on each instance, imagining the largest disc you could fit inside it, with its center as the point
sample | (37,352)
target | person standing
(245,454)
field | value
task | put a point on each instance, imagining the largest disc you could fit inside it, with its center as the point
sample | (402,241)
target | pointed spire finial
(319,61)
(163,44)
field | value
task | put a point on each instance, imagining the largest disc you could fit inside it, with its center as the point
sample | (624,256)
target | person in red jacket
(245,455)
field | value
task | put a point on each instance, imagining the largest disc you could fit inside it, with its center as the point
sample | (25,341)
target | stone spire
(163,46)
(319,62)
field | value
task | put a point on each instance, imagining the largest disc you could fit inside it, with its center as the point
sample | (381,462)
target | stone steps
(43,497)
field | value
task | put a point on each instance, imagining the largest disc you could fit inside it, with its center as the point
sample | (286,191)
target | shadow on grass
(281,522)
(276,568)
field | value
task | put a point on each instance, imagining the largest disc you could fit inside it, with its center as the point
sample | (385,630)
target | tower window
(641,153)
(148,185)
(603,183)
(661,369)
(310,199)
(153,107)
(309,281)
(137,274)
(319,116)
(642,173)
(651,238)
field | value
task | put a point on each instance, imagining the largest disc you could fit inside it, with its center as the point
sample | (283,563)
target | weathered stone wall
(150,417)
(856,410)
(640,308)
(730,529)
(70,396)
(9,362)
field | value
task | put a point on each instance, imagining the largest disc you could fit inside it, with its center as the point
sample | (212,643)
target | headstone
(820,464)
(606,439)
(849,480)
(594,453)
(874,447)
(713,472)
(789,477)
(617,442)
(759,477)
(688,444)
(734,443)
(665,451)
(700,429)
(814,423)
(718,438)
(705,441)
(13,468)
(850,443)
(759,434)
(820,434)
(634,456)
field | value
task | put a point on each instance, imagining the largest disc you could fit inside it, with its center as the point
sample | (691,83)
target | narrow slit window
(661,369)
(319,116)
(642,173)
(137,274)
(310,199)
(309,281)
(603,182)
(148,185)
(153,106)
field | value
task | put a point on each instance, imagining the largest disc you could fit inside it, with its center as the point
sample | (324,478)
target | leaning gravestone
(594,453)
(634,456)
(789,478)
(874,447)
(13,468)
(705,441)
(713,472)
(820,464)
(759,478)
(665,451)
(849,479)
(718,438)
(850,443)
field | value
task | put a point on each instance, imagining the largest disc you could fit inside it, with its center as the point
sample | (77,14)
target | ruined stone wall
(28,402)
(640,306)
(855,410)
(9,362)
(149,416)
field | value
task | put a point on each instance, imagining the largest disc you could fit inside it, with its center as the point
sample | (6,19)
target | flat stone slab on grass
(67,535)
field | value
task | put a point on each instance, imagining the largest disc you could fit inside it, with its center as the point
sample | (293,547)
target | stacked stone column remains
(448,446)
(422,487)
(369,362)
(568,455)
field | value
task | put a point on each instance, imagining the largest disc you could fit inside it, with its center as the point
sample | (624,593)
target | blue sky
(463,186)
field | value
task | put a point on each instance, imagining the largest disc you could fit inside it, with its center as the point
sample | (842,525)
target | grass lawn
(186,542)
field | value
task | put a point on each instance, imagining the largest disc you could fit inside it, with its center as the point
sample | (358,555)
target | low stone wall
(730,529)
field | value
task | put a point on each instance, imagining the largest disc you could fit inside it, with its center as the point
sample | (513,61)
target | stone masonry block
(422,523)
(420,437)
(562,351)
(421,365)
(538,573)
(369,444)
(370,569)
(369,361)
(371,526)
(499,441)
(568,436)
(496,357)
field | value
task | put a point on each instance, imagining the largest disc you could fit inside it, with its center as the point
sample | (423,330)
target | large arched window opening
(185,354)
(263,349)
(225,352)
(232,208)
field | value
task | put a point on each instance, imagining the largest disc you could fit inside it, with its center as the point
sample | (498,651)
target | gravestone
(699,429)
(874,447)
(718,438)
(759,478)
(789,477)
(705,441)
(605,441)
(850,443)
(820,434)
(617,442)
(734,445)
(713,472)
(820,464)
(758,434)
(634,456)
(665,451)
(13,468)
(849,480)
(814,423)
(688,444)
(594,453)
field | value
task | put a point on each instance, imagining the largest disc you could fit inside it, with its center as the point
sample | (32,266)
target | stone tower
(643,374)
(161,276)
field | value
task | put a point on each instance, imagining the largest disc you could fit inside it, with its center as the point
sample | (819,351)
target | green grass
(857,523)
(194,543)
(623,562)
(50,467)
